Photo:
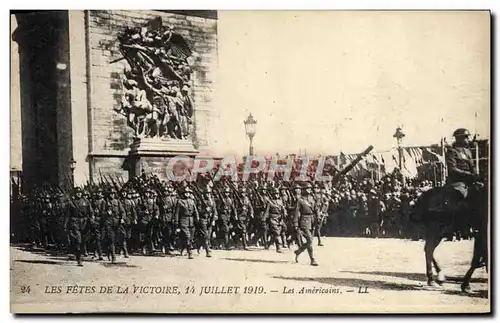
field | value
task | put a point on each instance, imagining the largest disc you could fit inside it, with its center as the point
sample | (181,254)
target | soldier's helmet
(275,191)
(307,185)
(186,190)
(461,132)
(77,190)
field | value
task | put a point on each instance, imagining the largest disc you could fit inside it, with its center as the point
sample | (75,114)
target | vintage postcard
(176,161)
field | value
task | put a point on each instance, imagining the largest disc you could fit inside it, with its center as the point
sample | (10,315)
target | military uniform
(276,212)
(208,216)
(319,215)
(304,214)
(461,172)
(45,217)
(148,212)
(94,227)
(186,215)
(260,219)
(226,212)
(112,212)
(129,218)
(167,210)
(59,235)
(245,214)
(79,211)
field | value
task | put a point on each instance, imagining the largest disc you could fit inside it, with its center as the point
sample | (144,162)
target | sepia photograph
(250,162)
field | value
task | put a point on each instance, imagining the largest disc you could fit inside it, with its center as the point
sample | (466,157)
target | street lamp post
(72,166)
(250,129)
(399,135)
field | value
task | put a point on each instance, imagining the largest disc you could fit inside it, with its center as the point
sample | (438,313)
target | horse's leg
(475,263)
(431,243)
(440,276)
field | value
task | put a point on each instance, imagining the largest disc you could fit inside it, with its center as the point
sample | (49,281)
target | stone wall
(110,137)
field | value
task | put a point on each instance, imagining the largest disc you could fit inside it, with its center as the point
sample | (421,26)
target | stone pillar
(79,94)
(15,104)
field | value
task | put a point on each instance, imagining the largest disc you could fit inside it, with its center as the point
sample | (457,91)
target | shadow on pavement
(44,262)
(475,294)
(415,276)
(258,260)
(119,264)
(356,283)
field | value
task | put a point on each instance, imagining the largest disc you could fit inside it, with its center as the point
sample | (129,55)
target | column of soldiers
(149,217)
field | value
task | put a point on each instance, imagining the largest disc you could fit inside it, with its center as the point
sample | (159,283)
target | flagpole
(444,169)
(476,146)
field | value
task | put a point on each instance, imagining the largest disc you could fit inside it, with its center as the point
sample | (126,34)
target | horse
(440,211)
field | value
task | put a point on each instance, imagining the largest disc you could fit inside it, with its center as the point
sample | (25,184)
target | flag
(343,159)
(410,164)
(439,157)
(388,161)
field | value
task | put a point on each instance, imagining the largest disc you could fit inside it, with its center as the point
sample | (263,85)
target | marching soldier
(148,211)
(208,216)
(296,234)
(168,203)
(58,231)
(112,213)
(129,218)
(286,227)
(304,213)
(186,215)
(46,214)
(276,212)
(260,220)
(227,211)
(79,212)
(95,232)
(245,214)
(320,212)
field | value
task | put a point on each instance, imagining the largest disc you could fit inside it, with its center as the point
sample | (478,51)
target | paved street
(388,272)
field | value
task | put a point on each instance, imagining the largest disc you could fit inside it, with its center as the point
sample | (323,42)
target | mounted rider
(461,171)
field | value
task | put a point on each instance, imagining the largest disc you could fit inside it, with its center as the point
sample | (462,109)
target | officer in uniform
(79,212)
(245,214)
(276,212)
(304,214)
(168,203)
(112,213)
(208,216)
(461,171)
(227,211)
(186,215)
